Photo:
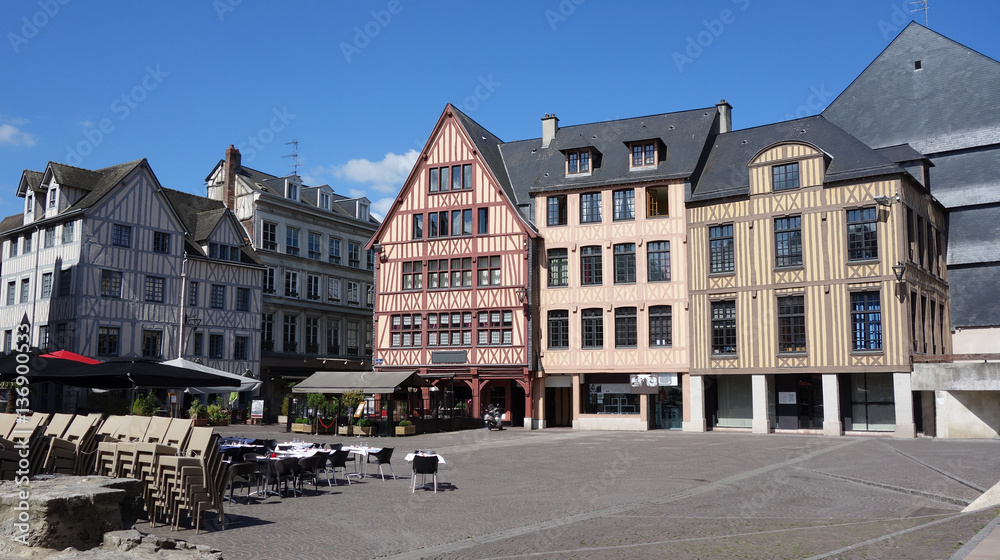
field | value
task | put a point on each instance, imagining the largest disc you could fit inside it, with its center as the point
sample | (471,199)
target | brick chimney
(550,124)
(232,164)
(725,116)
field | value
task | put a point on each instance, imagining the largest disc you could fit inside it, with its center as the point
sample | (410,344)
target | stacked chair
(32,430)
(68,454)
(190,483)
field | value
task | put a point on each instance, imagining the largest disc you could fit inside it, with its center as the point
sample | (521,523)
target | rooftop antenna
(295,156)
(921,6)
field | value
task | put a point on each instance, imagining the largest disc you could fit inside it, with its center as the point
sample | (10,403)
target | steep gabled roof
(29,180)
(200,216)
(951,102)
(75,176)
(11,222)
(107,179)
(488,146)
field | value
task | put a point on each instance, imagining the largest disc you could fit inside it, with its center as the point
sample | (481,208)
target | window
(353,293)
(354,254)
(151,344)
(291,190)
(590,266)
(218,297)
(62,336)
(216,347)
(626,333)
(577,161)
(50,237)
(29,237)
(121,236)
(456,178)
(154,289)
(13,246)
(333,289)
(866,320)
(46,285)
(418,226)
(291,241)
(556,210)
(11,292)
(449,329)
(788,241)
(67,232)
(291,283)
(624,204)
(467,176)
(625,263)
(290,337)
(269,280)
(193,294)
(241,346)
(198,344)
(324,201)
(862,234)
(558,267)
(657,202)
(558,329)
(66,282)
(406,331)
(352,338)
(53,197)
(111,283)
(723,327)
(467,222)
(43,337)
(593,328)
(461,272)
(413,276)
(314,245)
(25,290)
(243,299)
(661,326)
(312,287)
(434,180)
(489,271)
(107,341)
(785,176)
(267,331)
(791,324)
(335,251)
(456,222)
(483,222)
(333,337)
(312,335)
(590,208)
(369,295)
(720,249)
(161,242)
(495,328)
(658,261)
(643,154)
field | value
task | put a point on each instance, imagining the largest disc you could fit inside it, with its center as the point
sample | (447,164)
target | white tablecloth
(409,457)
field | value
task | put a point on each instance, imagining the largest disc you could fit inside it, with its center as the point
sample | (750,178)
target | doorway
(667,409)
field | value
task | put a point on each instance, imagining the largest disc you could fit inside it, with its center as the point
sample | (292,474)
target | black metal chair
(424,466)
(240,474)
(286,470)
(339,461)
(309,469)
(383,457)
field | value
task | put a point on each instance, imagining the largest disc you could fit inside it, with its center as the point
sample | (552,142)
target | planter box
(345,430)
(365,430)
(406,430)
(199,422)
(321,430)
(223,422)
(302,428)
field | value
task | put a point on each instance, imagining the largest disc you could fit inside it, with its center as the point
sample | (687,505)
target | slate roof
(534,169)
(32,179)
(74,176)
(488,146)
(725,172)
(11,222)
(951,102)
(901,153)
(967,178)
(200,216)
(973,235)
(108,178)
(974,307)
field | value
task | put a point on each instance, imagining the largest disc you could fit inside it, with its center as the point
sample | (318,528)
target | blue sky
(360,84)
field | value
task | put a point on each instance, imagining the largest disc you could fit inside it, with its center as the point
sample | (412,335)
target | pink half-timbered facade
(453,276)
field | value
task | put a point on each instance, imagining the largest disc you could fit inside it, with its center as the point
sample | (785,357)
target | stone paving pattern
(578,494)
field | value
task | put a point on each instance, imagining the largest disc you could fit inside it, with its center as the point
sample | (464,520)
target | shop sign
(644,383)
(786,398)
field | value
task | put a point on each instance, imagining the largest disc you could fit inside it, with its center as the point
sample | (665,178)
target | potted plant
(145,405)
(350,400)
(302,425)
(198,413)
(365,427)
(405,428)
(217,416)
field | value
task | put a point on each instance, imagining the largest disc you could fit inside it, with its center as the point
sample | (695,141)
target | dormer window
(324,201)
(643,154)
(578,162)
(53,197)
(30,205)
(363,211)
(291,190)
(785,176)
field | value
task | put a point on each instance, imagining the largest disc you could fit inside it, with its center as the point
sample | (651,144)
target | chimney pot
(725,116)
(550,124)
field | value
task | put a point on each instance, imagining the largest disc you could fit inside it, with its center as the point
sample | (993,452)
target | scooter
(493,417)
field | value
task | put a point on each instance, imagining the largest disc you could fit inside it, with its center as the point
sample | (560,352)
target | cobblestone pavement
(576,494)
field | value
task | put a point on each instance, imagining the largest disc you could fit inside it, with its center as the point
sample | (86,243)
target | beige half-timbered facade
(817,272)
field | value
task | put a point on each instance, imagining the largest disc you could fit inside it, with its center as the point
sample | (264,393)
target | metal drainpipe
(182,319)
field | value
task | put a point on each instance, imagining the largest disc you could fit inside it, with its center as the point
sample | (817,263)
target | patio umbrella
(119,373)
(245,383)
(41,367)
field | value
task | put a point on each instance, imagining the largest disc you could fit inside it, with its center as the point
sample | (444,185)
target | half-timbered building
(454,274)
(318,280)
(817,273)
(108,263)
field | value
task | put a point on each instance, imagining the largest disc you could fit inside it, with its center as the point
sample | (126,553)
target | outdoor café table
(409,459)
(362,451)
(270,459)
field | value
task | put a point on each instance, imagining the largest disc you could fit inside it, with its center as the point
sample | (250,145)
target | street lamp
(899,269)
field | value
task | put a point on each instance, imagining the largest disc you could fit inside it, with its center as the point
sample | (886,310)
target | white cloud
(87,124)
(383,176)
(10,135)
(381,207)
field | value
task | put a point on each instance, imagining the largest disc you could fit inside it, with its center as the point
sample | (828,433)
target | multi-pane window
(456,177)
(661,326)
(53,197)
(333,337)
(354,254)
(291,283)
(43,337)
(13,247)
(353,293)
(495,328)
(449,329)
(558,328)
(432,225)
(353,339)
(67,232)
(558,267)
(121,235)
(788,241)
(241,347)
(25,290)
(29,237)
(643,154)
(413,275)
(107,341)
(866,320)
(577,161)
(370,295)
(657,202)
(489,270)
(625,263)
(658,261)
(111,283)
(243,299)
(785,176)
(312,335)
(62,336)
(154,289)
(11,291)
(556,210)
(418,226)
(483,221)
(461,272)
(626,330)
(216,346)
(333,289)
(289,334)
(65,281)
(467,222)
(791,324)
(267,331)
(161,242)
(721,255)
(152,342)
(269,235)
(591,273)
(46,285)
(624,204)
(314,241)
(312,287)
(291,240)
(862,234)
(437,273)
(334,251)
(593,328)
(406,331)
(50,237)
(724,327)
(269,280)
(590,208)
(218,297)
